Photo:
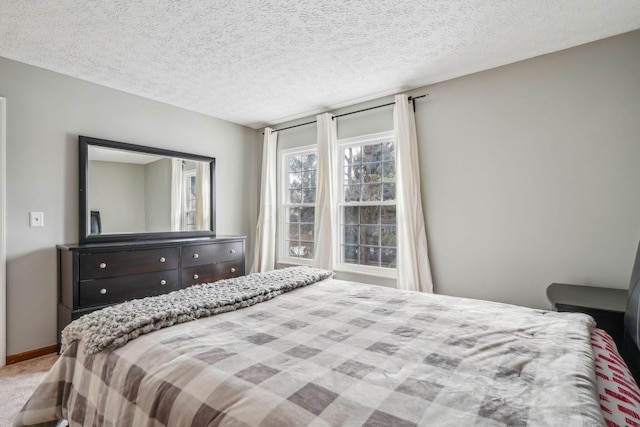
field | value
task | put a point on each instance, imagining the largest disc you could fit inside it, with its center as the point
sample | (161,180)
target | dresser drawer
(125,288)
(211,253)
(96,275)
(110,264)
(211,272)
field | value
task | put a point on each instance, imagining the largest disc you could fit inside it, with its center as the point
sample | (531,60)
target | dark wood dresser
(95,275)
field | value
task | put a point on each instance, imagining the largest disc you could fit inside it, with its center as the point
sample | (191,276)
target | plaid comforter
(336,353)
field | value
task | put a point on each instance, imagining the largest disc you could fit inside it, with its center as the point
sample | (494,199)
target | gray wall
(117,191)
(157,178)
(45,114)
(529,171)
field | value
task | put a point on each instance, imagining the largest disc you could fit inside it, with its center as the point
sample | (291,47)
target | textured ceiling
(259,62)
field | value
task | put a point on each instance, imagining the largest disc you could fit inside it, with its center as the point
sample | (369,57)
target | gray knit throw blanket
(112,327)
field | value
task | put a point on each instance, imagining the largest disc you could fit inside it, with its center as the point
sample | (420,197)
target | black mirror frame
(86,237)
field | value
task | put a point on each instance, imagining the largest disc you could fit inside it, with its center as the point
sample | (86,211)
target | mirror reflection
(132,192)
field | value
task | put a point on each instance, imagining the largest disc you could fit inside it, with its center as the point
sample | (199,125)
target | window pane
(306,232)
(295,180)
(370,215)
(295,164)
(307,251)
(352,155)
(294,249)
(370,235)
(295,196)
(388,257)
(351,234)
(300,250)
(352,215)
(294,232)
(387,214)
(370,256)
(307,214)
(192,186)
(308,162)
(388,236)
(309,195)
(308,179)
(294,214)
(352,174)
(352,193)
(371,192)
(388,151)
(371,153)
(389,191)
(350,254)
(389,171)
(372,172)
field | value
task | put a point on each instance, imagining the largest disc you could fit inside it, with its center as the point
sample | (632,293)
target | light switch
(36,219)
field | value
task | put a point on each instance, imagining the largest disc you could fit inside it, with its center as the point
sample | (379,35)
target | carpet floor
(17,382)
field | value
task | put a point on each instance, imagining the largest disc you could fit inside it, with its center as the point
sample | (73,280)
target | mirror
(133,192)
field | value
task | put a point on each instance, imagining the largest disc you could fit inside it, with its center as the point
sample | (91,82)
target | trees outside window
(299,203)
(367,205)
(365,239)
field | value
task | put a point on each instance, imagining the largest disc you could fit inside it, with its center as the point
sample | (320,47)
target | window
(299,197)
(368,204)
(366,201)
(189,201)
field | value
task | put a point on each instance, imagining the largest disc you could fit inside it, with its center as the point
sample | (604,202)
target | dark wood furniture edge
(141,244)
(596,297)
(71,280)
(85,141)
(606,305)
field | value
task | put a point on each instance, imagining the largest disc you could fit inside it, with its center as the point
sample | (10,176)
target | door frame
(3,232)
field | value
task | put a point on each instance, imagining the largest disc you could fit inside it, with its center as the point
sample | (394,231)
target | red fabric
(618,392)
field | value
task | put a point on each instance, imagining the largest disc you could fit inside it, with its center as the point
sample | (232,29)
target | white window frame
(375,138)
(283,204)
(186,178)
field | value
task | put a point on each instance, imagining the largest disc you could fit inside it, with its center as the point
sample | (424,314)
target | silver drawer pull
(195,276)
(103,265)
(233,269)
(162,259)
(232,251)
(163,282)
(196,255)
(103,291)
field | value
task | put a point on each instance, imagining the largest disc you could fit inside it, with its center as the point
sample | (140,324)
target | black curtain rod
(411,99)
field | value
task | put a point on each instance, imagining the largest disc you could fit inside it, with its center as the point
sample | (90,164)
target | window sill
(342,268)
(351,274)
(293,263)
(386,273)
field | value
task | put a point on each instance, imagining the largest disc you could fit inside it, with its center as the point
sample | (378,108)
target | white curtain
(264,255)
(203,196)
(413,267)
(325,224)
(176,194)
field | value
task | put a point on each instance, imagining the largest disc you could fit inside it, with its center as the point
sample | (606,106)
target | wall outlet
(36,219)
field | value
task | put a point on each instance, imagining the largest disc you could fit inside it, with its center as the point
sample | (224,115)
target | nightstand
(605,305)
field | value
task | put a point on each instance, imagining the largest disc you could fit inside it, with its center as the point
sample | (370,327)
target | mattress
(336,353)
(617,389)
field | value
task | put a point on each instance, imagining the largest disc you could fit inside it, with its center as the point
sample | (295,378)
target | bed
(302,348)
